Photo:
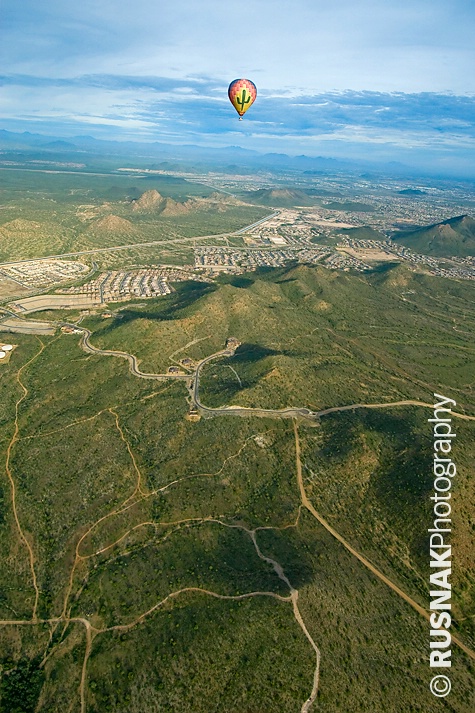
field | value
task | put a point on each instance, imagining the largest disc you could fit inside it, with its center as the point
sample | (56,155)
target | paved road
(131,358)
(291,412)
(258,222)
(194,390)
(193,383)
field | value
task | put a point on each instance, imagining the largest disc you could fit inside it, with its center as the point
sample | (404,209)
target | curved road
(290,412)
(193,382)
(131,358)
(306,503)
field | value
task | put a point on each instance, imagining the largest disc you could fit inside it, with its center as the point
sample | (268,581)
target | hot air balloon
(242,93)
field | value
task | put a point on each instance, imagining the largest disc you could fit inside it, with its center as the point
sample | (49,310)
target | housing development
(285,237)
(41,273)
(118,285)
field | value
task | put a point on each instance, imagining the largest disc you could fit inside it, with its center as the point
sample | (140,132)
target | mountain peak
(465,220)
(452,237)
(150,200)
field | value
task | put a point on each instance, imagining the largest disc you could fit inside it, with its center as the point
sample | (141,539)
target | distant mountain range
(231,159)
(234,158)
(452,237)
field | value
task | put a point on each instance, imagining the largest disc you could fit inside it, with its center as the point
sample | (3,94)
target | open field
(21,326)
(52,214)
(368,255)
(47,302)
(10,288)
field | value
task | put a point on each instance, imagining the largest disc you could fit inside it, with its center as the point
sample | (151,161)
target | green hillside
(160,545)
(452,237)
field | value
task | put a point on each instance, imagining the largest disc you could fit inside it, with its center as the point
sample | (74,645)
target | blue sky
(359,79)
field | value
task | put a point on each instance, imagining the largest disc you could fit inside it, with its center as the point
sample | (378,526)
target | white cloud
(306,46)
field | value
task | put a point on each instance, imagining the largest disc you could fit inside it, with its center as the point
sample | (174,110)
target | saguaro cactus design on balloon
(242,94)
(241,102)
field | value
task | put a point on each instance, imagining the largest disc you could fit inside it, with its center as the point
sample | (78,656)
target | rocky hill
(149,201)
(20,225)
(153,202)
(113,224)
(169,207)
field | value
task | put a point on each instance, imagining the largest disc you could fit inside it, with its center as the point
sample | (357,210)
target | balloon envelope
(242,93)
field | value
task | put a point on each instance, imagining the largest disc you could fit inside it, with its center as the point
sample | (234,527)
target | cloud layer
(360,77)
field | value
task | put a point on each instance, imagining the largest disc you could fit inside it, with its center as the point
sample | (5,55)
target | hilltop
(19,225)
(412,192)
(451,237)
(149,201)
(282,197)
(113,223)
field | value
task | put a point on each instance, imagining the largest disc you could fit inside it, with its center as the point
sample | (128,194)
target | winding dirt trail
(135,498)
(8,470)
(90,633)
(294,595)
(190,522)
(201,590)
(189,344)
(87,653)
(306,503)
(137,495)
(139,488)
